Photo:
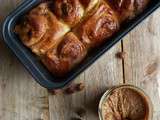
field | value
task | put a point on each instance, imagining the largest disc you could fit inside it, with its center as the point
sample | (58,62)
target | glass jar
(149,105)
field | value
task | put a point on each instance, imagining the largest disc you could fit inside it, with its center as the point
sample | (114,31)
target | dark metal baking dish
(36,68)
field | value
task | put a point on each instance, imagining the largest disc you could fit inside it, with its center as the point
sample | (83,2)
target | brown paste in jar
(125,104)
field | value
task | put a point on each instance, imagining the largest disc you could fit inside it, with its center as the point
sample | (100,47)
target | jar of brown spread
(125,102)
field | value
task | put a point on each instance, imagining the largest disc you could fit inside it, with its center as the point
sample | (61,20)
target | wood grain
(21,98)
(142,62)
(98,78)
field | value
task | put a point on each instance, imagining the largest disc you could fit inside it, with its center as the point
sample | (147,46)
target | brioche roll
(95,29)
(70,11)
(34,26)
(128,9)
(53,35)
(69,53)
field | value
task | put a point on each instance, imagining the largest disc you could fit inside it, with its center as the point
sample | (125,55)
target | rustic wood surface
(21,98)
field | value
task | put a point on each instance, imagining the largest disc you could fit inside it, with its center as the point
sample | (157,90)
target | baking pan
(36,68)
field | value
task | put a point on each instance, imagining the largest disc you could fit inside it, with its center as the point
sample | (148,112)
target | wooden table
(21,98)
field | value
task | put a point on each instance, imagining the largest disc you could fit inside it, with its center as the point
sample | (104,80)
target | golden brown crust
(52,36)
(58,67)
(101,25)
(70,11)
(128,9)
(34,26)
(89,4)
(69,53)
(93,21)
(140,5)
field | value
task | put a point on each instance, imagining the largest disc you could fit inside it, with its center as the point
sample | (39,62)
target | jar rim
(137,89)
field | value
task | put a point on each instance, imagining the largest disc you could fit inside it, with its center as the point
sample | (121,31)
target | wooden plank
(106,72)
(141,65)
(156,116)
(21,98)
